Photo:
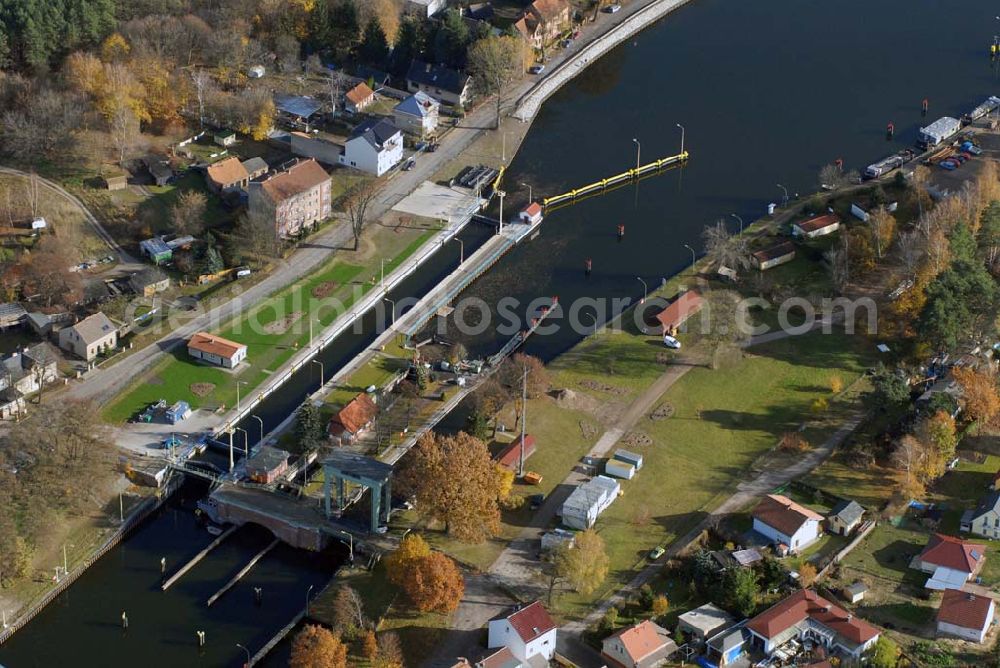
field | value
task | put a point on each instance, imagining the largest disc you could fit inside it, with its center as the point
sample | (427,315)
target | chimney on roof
(971,596)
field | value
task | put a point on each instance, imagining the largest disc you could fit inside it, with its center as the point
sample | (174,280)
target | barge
(886,165)
(991,104)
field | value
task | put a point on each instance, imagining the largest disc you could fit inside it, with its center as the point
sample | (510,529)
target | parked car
(613,9)
(409,164)
(536,69)
(656,553)
(671,342)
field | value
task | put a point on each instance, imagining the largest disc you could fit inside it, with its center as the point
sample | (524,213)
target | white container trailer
(619,469)
(581,509)
(633,458)
(939,131)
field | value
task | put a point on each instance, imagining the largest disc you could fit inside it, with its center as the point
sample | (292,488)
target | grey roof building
(845,516)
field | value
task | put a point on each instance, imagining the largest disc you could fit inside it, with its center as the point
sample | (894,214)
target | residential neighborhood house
(643,645)
(148,282)
(417,115)
(442,83)
(544,21)
(227,175)
(951,561)
(90,337)
(845,517)
(704,622)
(359,98)
(774,256)
(787,524)
(255,167)
(527,632)
(295,198)
(965,615)
(22,374)
(216,350)
(375,146)
(805,615)
(816,227)
(352,419)
(984,519)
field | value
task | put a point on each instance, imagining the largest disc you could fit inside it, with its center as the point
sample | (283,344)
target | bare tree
(495,63)
(336,82)
(31,193)
(357,203)
(911,249)
(726,249)
(256,235)
(124,129)
(202,80)
(839,262)
(831,177)
(188,213)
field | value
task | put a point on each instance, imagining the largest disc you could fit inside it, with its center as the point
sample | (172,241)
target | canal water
(768,92)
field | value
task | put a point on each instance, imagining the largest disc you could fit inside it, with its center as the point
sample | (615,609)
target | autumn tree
(807,575)
(980,398)
(188,212)
(989,234)
(369,644)
(316,647)
(882,228)
(357,203)
(434,583)
(938,431)
(885,653)
(495,63)
(455,482)
(660,605)
(584,566)
(512,371)
(918,464)
(400,563)
(390,651)
(47,273)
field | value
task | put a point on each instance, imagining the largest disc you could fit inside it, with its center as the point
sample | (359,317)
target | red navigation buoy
(589,265)
(839,162)
(889,130)
(924,105)
(621,231)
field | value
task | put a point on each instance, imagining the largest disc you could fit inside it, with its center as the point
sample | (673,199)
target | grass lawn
(377,372)
(155,210)
(869,486)
(269,344)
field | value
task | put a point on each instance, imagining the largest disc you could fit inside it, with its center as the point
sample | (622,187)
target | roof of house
(807,604)
(747,557)
(990,502)
(818,223)
(146,277)
(357,413)
(532,210)
(643,639)
(953,553)
(158,167)
(297,105)
(359,94)
(509,456)
(419,104)
(438,76)
(375,131)
(706,618)
(501,658)
(12,312)
(681,309)
(527,25)
(95,327)
(155,246)
(849,512)
(727,639)
(774,252)
(214,345)
(301,177)
(227,172)
(267,458)
(965,609)
(531,621)
(783,514)
(856,588)
(549,10)
(255,165)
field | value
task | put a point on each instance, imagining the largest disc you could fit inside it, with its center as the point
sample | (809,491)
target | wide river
(768,92)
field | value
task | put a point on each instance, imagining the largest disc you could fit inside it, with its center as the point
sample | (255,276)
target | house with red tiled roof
(359,98)
(501,658)
(510,456)
(226,175)
(951,561)
(531,214)
(643,645)
(817,226)
(216,350)
(678,311)
(807,616)
(965,615)
(786,523)
(528,632)
(348,423)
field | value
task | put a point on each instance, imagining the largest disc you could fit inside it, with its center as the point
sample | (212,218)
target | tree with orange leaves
(980,398)
(434,584)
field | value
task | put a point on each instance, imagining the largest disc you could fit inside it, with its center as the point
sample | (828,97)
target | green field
(267,349)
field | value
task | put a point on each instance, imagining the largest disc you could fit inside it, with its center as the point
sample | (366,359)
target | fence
(145,509)
(866,529)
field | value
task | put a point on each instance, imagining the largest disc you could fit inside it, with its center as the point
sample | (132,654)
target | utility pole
(231,463)
(524,418)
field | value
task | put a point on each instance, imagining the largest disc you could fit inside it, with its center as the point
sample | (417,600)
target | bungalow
(255,167)
(417,115)
(845,517)
(159,169)
(156,249)
(816,227)
(216,350)
(510,456)
(805,615)
(703,622)
(531,214)
(224,138)
(91,336)
(227,175)
(786,523)
(359,98)
(267,464)
(950,561)
(441,83)
(643,645)
(353,419)
(984,519)
(774,256)
(678,311)
(375,146)
(965,615)
(528,632)
(148,282)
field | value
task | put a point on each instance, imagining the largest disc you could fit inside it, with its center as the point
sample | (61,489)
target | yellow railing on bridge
(633,173)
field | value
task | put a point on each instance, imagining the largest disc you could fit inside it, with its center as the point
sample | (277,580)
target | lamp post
(645,289)
(694,256)
(261,427)
(638,154)
(308,591)
(461,250)
(382,274)
(530,198)
(501,194)
(739,219)
(393,303)
(320,371)
(246,441)
(247,664)
(238,383)
(682,137)
(784,190)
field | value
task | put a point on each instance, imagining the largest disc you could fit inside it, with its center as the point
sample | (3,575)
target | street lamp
(638,154)
(461,250)
(307,599)
(739,219)
(501,194)
(682,137)
(261,427)
(645,289)
(393,303)
(694,256)
(382,279)
(247,664)
(320,371)
(246,441)
(785,190)
(528,186)
(238,383)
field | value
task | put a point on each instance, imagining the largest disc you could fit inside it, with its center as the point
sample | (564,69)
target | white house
(375,146)
(984,519)
(425,8)
(527,632)
(951,562)
(809,617)
(442,83)
(786,523)
(965,615)
(216,350)
(531,214)
(89,337)
(642,645)
(417,115)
